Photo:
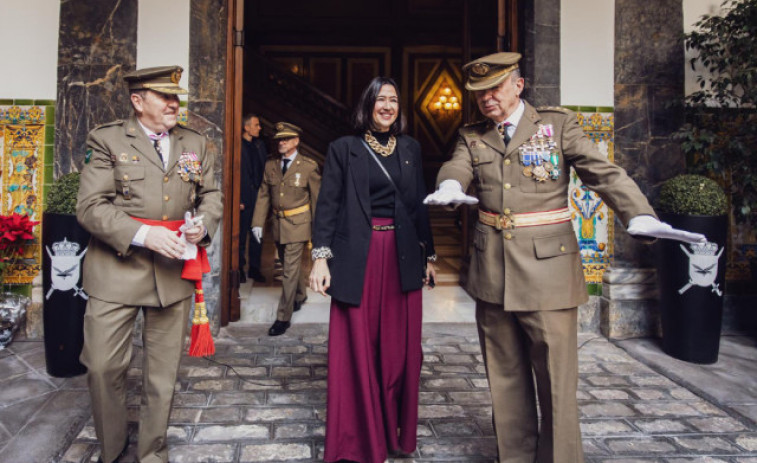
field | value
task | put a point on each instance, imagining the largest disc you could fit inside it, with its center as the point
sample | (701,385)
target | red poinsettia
(16,230)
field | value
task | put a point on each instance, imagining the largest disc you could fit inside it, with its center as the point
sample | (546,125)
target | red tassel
(201,341)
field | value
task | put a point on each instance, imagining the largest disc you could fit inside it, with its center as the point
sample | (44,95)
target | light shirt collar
(514,118)
(291,158)
(165,143)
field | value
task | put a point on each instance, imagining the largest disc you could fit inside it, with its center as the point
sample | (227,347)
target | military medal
(539,155)
(190,169)
(123,157)
(297,179)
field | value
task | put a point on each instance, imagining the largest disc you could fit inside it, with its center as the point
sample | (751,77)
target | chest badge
(539,155)
(297,176)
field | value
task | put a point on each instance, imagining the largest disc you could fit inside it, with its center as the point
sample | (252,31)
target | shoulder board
(472,124)
(556,109)
(307,159)
(189,129)
(110,124)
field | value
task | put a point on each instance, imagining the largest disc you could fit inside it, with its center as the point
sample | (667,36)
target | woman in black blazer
(372,252)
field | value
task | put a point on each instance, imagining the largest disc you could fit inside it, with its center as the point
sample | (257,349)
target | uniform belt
(291,212)
(382,227)
(527,219)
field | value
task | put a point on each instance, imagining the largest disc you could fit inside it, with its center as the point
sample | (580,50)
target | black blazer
(343,216)
(252,165)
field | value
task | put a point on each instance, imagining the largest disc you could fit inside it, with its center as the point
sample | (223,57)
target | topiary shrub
(692,195)
(61,198)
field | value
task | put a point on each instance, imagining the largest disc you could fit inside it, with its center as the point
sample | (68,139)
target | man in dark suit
(254,155)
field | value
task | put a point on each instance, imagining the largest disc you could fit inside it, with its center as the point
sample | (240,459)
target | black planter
(692,288)
(64,301)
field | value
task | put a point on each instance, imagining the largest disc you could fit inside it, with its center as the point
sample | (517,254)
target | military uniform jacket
(283,192)
(124,178)
(537,267)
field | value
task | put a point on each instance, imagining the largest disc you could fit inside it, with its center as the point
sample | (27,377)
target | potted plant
(692,276)
(720,133)
(16,231)
(65,244)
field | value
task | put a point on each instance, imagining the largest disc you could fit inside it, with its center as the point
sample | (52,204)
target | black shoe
(298,304)
(278,328)
(242,278)
(256,276)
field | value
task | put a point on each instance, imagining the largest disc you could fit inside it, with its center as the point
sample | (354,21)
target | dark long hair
(362,118)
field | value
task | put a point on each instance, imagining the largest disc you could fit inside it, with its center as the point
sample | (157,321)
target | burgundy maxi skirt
(374,363)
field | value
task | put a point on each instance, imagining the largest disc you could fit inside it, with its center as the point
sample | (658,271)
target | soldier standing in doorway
(290,189)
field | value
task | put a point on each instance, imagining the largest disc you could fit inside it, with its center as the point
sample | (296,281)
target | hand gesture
(165,242)
(449,192)
(320,276)
(257,232)
(646,225)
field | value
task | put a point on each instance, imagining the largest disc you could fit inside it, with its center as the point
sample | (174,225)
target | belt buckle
(504,222)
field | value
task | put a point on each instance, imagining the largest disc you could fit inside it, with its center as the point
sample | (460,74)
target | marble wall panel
(540,33)
(207,86)
(97,45)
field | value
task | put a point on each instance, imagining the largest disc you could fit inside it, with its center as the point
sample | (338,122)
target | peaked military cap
(163,79)
(490,71)
(286,130)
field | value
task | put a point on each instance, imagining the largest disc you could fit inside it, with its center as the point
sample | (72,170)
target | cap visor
(281,135)
(485,84)
(168,89)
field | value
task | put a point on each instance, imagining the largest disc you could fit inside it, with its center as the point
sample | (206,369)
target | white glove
(257,232)
(449,192)
(190,251)
(646,225)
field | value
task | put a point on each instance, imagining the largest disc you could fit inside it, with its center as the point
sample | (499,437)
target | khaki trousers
(293,287)
(520,348)
(108,331)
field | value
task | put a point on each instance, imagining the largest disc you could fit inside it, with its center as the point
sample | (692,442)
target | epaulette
(189,129)
(556,109)
(471,124)
(110,124)
(307,159)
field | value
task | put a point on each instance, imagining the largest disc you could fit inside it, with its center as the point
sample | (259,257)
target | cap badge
(480,69)
(279,127)
(176,76)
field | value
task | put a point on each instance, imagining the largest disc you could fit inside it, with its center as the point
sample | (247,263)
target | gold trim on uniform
(527,219)
(291,212)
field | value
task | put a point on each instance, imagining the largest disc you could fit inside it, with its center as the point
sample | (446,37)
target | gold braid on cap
(477,78)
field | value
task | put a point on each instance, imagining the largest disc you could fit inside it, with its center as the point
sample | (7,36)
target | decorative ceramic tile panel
(22,152)
(592,219)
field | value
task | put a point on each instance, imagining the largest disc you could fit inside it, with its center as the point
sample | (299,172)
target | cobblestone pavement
(265,401)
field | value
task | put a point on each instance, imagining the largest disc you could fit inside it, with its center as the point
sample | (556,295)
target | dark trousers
(255,248)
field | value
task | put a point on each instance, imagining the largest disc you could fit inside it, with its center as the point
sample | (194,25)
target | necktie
(156,137)
(504,132)
(285,166)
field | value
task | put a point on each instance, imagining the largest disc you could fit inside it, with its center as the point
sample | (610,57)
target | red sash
(201,343)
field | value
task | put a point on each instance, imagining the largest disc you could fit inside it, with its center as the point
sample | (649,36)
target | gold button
(562,248)
(281,194)
(165,179)
(119,254)
(507,211)
(508,236)
(507,186)
(126,177)
(475,159)
(165,217)
(165,198)
(507,162)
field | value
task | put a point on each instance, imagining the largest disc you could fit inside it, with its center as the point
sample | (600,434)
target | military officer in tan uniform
(290,189)
(143,169)
(525,271)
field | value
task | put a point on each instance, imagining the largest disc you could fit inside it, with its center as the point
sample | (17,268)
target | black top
(343,215)
(382,192)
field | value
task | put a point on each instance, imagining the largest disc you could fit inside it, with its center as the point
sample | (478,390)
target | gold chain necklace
(378,147)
